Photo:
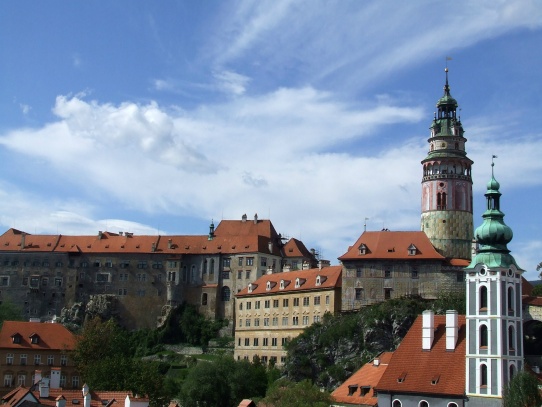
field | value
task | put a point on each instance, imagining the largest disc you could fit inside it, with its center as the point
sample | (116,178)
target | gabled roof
(392,245)
(420,368)
(51,336)
(296,248)
(365,379)
(258,227)
(330,277)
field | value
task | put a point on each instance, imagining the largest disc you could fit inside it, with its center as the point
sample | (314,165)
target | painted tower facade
(494,314)
(447,184)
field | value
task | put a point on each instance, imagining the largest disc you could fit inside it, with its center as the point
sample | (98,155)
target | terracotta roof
(459,262)
(526,287)
(51,336)
(529,300)
(365,379)
(296,248)
(261,227)
(330,277)
(392,245)
(420,369)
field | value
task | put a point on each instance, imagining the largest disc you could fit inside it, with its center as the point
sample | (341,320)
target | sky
(158,117)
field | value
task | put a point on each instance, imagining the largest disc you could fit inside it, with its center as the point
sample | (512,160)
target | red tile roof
(330,277)
(296,248)
(368,376)
(261,227)
(51,336)
(392,246)
(529,300)
(419,368)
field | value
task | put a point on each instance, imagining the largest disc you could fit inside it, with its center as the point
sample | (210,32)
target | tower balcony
(447,176)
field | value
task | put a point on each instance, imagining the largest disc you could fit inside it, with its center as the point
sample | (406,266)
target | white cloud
(231,82)
(25,108)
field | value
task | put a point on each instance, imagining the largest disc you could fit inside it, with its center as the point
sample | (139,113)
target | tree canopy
(522,391)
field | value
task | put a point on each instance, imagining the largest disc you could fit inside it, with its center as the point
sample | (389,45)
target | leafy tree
(451,301)
(522,391)
(10,312)
(537,290)
(284,393)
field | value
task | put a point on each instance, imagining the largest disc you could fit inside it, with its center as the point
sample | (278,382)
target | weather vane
(493,163)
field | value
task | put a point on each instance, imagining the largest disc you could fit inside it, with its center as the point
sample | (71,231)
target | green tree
(284,393)
(537,290)
(522,391)
(10,312)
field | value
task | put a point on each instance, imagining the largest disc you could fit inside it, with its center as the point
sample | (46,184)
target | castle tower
(494,316)
(447,184)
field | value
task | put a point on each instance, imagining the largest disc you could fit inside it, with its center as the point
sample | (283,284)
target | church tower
(494,315)
(447,184)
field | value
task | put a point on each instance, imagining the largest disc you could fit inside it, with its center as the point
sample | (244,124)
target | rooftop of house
(358,389)
(35,335)
(390,245)
(293,281)
(435,371)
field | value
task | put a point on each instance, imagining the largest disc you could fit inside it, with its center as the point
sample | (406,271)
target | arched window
(512,370)
(204,299)
(483,297)
(444,200)
(226,293)
(423,403)
(483,336)
(193,273)
(396,403)
(510,300)
(511,341)
(452,404)
(483,375)
(212,268)
(204,271)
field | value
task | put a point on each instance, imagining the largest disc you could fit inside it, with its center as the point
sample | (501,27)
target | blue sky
(156,117)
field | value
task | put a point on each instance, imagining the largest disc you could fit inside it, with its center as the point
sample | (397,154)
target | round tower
(447,184)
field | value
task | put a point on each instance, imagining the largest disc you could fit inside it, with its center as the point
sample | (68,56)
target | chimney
(270,246)
(169,243)
(44,387)
(452,329)
(244,218)
(153,247)
(428,329)
(23,240)
(255,218)
(37,376)
(86,396)
(100,234)
(55,378)
(60,401)
(376,362)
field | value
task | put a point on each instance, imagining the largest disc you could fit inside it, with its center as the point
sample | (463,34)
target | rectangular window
(273,341)
(22,359)
(275,321)
(4,281)
(296,302)
(226,262)
(359,272)
(97,263)
(305,320)
(285,302)
(284,321)
(102,277)
(257,305)
(275,303)
(247,341)
(240,306)
(247,274)
(63,360)
(240,322)
(8,380)
(359,294)
(21,379)
(109,263)
(62,381)
(37,359)
(317,300)
(142,264)
(239,274)
(255,341)
(225,275)
(249,305)
(284,341)
(305,301)
(157,265)
(263,261)
(295,321)
(140,293)
(265,341)
(124,264)
(256,321)
(9,359)
(247,322)
(387,293)
(327,299)
(123,291)
(387,273)
(414,272)
(25,280)
(75,382)
(58,281)
(266,322)
(240,261)
(250,261)
(50,360)
(317,318)
(267,303)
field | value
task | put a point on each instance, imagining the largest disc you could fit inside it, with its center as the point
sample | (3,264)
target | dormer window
(352,389)
(252,287)
(284,284)
(412,250)
(299,282)
(320,279)
(16,338)
(401,378)
(34,339)
(270,285)
(362,249)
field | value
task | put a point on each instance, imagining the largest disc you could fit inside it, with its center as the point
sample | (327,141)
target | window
(263,261)
(396,403)
(256,321)
(247,322)
(305,301)
(240,274)
(423,403)
(265,341)
(317,300)
(275,321)
(58,281)
(45,281)
(123,291)
(483,375)
(352,389)
(387,293)
(140,293)
(25,280)
(511,338)
(142,264)
(483,298)
(257,305)
(273,341)
(247,274)
(267,303)
(387,273)
(247,341)
(159,265)
(296,302)
(284,321)
(4,281)
(226,262)
(108,263)
(62,381)
(9,358)
(359,272)
(240,261)
(75,382)
(305,320)
(327,299)
(359,294)
(275,303)
(34,338)
(22,359)
(295,321)
(483,336)
(225,275)
(285,302)
(63,360)
(37,359)
(204,299)
(250,261)
(21,379)
(249,305)
(510,300)
(284,341)
(8,380)
(316,318)
(102,277)
(255,342)
(226,293)
(125,264)
(123,277)
(266,322)
(240,322)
